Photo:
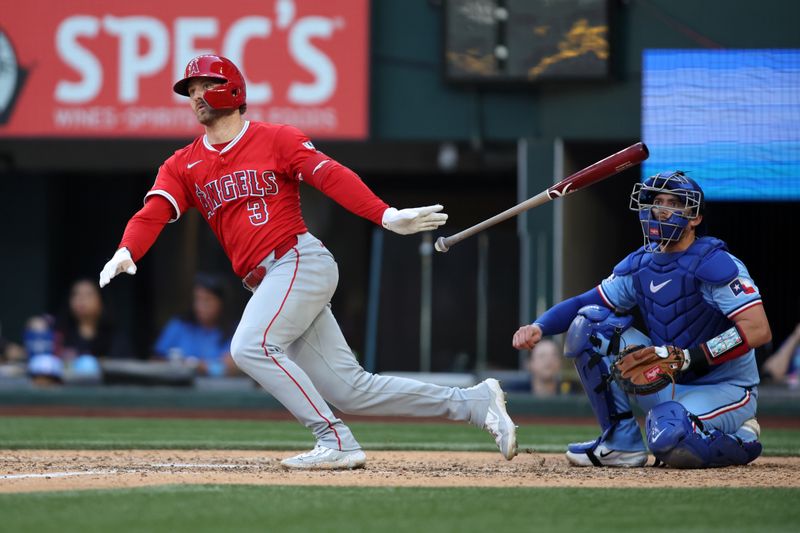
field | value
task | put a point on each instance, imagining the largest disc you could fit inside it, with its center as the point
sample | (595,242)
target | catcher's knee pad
(671,437)
(673,440)
(595,334)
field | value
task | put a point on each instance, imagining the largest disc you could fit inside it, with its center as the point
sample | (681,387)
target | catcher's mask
(231,93)
(659,231)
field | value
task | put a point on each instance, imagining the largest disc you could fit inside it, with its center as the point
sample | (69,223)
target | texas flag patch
(741,286)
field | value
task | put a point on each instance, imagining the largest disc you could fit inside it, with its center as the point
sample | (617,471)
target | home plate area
(44,470)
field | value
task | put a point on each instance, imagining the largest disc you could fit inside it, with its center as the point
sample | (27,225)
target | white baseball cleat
(497,421)
(751,425)
(583,454)
(323,458)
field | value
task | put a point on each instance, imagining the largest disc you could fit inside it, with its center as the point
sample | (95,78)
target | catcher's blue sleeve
(558,318)
(734,297)
(618,292)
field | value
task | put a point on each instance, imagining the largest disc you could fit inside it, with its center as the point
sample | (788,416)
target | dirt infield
(38,470)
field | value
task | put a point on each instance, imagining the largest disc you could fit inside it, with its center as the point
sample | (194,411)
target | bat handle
(441,245)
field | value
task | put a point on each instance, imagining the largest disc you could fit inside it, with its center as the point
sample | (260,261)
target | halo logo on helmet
(192,69)
(657,230)
(230,94)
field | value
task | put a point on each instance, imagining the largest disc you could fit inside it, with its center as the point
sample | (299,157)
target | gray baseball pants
(289,342)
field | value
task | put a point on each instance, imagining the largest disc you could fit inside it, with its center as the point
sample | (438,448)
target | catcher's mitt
(647,369)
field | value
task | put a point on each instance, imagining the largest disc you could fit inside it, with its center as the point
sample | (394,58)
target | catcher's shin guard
(594,335)
(677,439)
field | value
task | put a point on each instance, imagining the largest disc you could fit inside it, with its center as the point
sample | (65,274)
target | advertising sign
(106,69)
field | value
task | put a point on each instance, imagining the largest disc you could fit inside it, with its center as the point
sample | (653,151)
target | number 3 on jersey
(258,211)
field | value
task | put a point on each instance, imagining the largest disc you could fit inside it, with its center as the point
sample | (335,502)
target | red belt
(254,278)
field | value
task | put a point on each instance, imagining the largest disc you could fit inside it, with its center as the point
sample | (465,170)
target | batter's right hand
(121,262)
(527,337)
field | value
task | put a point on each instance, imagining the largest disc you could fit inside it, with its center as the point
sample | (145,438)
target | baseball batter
(698,301)
(244,178)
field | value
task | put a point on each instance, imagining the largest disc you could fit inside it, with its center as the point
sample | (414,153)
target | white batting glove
(414,219)
(121,262)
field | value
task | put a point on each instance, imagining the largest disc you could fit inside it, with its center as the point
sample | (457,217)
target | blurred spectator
(545,369)
(203,335)
(85,370)
(784,365)
(43,366)
(10,352)
(86,327)
(46,369)
(39,336)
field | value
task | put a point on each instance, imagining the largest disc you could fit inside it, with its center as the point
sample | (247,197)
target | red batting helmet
(228,95)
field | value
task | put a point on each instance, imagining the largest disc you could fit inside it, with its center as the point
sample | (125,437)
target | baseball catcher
(695,374)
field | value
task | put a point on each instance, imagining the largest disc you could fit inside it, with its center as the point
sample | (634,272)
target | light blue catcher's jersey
(729,298)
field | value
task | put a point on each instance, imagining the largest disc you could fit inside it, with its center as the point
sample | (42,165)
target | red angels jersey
(248,192)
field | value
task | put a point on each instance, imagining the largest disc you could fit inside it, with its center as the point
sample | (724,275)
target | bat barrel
(605,168)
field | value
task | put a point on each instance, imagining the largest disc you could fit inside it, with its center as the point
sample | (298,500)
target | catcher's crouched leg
(594,335)
(677,439)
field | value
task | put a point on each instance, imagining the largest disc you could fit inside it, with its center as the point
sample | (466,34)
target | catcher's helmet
(228,95)
(659,231)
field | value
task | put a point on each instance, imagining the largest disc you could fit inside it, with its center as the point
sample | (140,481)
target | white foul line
(58,474)
(108,472)
(195,465)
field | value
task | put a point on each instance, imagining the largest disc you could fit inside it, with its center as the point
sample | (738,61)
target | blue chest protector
(668,291)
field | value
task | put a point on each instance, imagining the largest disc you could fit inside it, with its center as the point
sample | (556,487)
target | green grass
(200,508)
(349,509)
(144,433)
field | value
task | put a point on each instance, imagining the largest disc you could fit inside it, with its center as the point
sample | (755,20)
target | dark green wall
(25,257)
(411,100)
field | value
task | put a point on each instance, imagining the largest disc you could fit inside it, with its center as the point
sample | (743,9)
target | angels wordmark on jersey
(239,184)
(252,213)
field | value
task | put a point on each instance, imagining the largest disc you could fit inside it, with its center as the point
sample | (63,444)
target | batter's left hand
(414,219)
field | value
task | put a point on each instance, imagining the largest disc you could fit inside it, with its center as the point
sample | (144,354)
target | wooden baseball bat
(613,164)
